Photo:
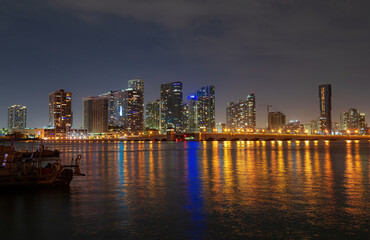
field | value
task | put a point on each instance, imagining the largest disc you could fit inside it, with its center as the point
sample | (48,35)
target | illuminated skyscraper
(60,110)
(241,116)
(201,110)
(95,114)
(17,117)
(325,108)
(132,111)
(191,121)
(171,107)
(152,115)
(251,111)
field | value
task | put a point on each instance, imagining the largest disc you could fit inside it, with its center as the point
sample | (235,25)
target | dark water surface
(200,190)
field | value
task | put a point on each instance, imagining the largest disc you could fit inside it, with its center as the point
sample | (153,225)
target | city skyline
(261,107)
(281,51)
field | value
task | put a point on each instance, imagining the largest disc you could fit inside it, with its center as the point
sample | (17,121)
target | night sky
(281,50)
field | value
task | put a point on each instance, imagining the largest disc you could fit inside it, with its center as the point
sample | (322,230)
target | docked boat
(39,168)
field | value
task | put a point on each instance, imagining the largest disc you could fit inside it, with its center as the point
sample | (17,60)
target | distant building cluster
(124,112)
(353,122)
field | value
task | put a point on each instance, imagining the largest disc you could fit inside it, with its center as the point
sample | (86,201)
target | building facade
(171,107)
(136,84)
(201,110)
(17,117)
(60,110)
(95,114)
(152,115)
(241,116)
(113,114)
(343,121)
(276,120)
(132,111)
(325,108)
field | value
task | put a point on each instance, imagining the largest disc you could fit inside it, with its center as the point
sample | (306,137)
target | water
(200,190)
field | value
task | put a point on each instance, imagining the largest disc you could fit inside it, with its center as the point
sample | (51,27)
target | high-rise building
(191,118)
(353,119)
(241,116)
(201,110)
(113,116)
(152,115)
(171,107)
(231,115)
(362,124)
(17,117)
(251,111)
(95,114)
(132,111)
(325,108)
(276,120)
(60,110)
(343,121)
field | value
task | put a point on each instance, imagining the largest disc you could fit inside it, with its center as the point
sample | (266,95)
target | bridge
(217,137)
(244,137)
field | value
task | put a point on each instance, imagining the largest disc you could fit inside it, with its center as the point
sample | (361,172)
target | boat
(40,168)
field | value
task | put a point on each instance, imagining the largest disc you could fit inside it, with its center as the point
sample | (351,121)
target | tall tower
(325,108)
(133,111)
(60,110)
(171,106)
(251,111)
(201,110)
(17,117)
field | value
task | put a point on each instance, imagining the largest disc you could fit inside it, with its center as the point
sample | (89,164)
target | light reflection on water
(198,190)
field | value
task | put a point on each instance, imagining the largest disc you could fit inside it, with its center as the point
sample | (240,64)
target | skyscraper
(251,111)
(133,111)
(362,124)
(113,116)
(325,108)
(17,117)
(95,114)
(152,114)
(171,107)
(241,116)
(343,121)
(191,121)
(231,115)
(353,119)
(201,110)
(60,110)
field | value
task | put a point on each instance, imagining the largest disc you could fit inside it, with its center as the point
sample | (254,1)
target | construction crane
(267,111)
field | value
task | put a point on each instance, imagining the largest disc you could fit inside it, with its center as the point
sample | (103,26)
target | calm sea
(200,190)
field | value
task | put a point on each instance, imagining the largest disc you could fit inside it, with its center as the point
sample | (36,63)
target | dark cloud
(280,49)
